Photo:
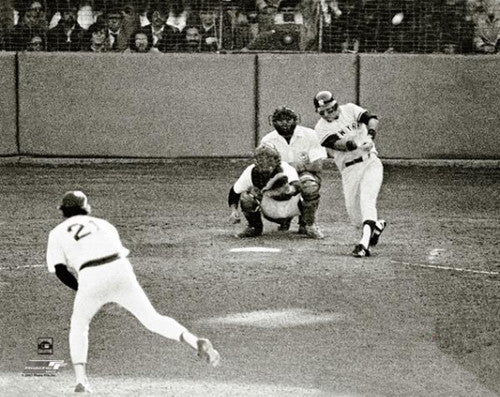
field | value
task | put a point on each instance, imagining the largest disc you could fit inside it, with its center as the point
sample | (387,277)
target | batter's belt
(357,160)
(100,261)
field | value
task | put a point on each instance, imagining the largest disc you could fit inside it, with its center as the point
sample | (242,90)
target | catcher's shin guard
(254,220)
(309,189)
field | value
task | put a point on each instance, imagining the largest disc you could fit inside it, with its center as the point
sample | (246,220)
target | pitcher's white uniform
(85,240)
(361,169)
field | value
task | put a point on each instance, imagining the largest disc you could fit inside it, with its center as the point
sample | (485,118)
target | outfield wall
(434,106)
(8,112)
(295,80)
(180,105)
(202,105)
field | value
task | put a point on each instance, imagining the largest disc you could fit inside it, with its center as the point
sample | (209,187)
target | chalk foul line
(439,267)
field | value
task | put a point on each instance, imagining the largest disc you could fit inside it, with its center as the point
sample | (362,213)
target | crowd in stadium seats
(349,26)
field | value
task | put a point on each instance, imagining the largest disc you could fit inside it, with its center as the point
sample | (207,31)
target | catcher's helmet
(324,100)
(75,199)
(284,120)
(266,157)
(283,112)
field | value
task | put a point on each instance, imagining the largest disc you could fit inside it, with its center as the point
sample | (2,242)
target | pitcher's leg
(135,300)
(85,306)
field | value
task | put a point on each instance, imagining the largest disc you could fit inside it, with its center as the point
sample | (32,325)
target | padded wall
(433,106)
(168,105)
(295,79)
(8,142)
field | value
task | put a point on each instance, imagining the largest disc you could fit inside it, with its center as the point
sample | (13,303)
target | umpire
(300,147)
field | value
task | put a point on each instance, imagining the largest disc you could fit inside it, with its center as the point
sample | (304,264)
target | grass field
(421,317)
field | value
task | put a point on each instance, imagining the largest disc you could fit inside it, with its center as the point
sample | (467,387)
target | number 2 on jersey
(81,230)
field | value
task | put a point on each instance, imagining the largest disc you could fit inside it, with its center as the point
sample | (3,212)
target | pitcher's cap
(74,199)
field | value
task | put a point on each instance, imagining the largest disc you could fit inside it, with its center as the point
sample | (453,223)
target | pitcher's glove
(278,188)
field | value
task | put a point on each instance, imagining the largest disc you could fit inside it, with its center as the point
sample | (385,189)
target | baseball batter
(299,146)
(91,247)
(254,191)
(347,131)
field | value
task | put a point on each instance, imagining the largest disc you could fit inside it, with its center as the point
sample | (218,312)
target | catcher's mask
(325,102)
(266,158)
(284,120)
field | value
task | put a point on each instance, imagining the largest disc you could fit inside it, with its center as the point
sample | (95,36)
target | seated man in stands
(487,28)
(68,34)
(97,38)
(32,20)
(139,42)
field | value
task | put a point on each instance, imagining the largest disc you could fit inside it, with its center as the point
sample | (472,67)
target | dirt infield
(421,317)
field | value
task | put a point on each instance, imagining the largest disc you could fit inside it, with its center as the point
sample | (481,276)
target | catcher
(269,187)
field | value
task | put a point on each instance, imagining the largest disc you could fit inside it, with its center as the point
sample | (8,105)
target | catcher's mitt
(278,188)
(276,182)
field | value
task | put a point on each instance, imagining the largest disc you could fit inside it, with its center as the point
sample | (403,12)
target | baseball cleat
(249,232)
(360,251)
(377,232)
(207,352)
(285,225)
(81,388)
(312,231)
(302,229)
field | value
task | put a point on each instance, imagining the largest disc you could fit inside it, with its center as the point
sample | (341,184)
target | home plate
(275,318)
(255,249)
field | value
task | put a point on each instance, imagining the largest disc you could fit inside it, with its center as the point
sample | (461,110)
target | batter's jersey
(244,182)
(80,239)
(348,128)
(304,142)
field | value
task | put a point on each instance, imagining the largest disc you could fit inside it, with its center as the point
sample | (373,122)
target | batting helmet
(75,200)
(324,100)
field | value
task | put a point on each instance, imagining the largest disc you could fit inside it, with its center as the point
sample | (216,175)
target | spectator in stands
(342,19)
(178,16)
(68,34)
(374,28)
(162,36)
(118,37)
(86,14)
(487,27)
(208,26)
(139,43)
(6,16)
(97,39)
(192,40)
(240,25)
(35,43)
(32,21)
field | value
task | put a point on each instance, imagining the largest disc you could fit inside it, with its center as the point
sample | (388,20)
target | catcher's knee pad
(248,202)
(309,188)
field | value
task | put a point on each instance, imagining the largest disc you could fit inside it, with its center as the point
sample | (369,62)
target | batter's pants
(361,183)
(113,282)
